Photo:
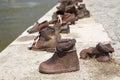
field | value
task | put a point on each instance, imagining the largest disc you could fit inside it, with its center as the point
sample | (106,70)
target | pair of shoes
(39,26)
(64,58)
(100,52)
(47,39)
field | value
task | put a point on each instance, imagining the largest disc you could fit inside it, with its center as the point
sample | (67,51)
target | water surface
(18,15)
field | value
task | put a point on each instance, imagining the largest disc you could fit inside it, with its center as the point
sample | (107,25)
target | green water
(18,15)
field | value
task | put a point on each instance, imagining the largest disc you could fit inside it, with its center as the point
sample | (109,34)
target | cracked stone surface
(108,14)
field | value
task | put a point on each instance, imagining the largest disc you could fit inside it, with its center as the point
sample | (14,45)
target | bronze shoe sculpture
(100,52)
(54,19)
(38,26)
(65,29)
(62,28)
(46,40)
(82,12)
(68,18)
(105,49)
(63,60)
(71,9)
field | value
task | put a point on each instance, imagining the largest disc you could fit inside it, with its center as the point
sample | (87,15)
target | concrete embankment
(19,63)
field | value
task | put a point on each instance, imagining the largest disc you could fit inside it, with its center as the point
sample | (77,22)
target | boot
(63,60)
(38,26)
(46,41)
(82,12)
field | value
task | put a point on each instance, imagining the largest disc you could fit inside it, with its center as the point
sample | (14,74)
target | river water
(18,15)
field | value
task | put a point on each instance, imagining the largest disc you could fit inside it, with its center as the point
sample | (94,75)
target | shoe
(71,9)
(38,26)
(63,60)
(46,41)
(82,12)
(65,29)
(90,52)
(54,19)
(105,48)
(68,18)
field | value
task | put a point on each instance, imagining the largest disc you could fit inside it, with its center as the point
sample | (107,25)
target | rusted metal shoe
(71,9)
(105,49)
(54,19)
(46,41)
(65,29)
(90,52)
(38,26)
(68,18)
(84,53)
(63,60)
(82,12)
(100,52)
(68,9)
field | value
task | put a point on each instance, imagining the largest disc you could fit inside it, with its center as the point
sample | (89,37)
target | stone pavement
(107,12)
(19,63)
